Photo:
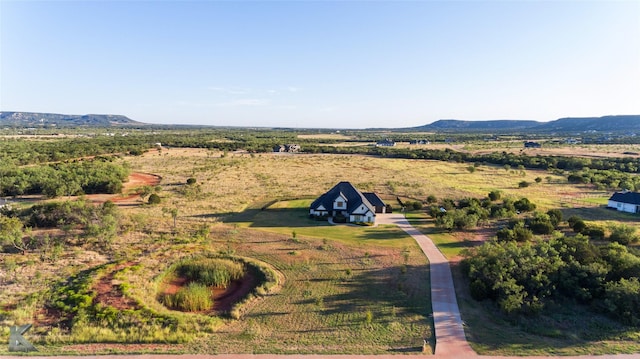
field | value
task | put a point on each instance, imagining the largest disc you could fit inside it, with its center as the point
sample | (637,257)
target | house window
(619,205)
(340,204)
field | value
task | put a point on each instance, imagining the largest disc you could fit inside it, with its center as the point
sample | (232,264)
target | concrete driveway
(449,332)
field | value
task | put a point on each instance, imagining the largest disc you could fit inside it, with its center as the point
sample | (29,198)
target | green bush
(623,234)
(622,300)
(495,195)
(555,216)
(154,199)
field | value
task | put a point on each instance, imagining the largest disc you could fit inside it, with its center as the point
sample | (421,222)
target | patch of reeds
(195,297)
(215,272)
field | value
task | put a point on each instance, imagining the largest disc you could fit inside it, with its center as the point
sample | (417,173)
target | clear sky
(337,64)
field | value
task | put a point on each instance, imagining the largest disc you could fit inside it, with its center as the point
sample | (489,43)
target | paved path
(449,332)
(450,339)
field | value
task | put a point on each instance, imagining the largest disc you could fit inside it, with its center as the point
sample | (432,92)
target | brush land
(337,289)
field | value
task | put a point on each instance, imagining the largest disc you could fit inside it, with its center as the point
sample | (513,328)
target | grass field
(346,289)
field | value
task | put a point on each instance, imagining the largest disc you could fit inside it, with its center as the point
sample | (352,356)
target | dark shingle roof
(626,197)
(353,196)
(373,199)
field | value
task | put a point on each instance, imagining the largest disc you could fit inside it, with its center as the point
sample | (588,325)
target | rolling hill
(627,124)
(34,119)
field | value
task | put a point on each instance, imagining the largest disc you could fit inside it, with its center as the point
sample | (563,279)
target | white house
(345,203)
(625,201)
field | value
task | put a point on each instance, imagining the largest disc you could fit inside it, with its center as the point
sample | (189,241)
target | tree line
(101,175)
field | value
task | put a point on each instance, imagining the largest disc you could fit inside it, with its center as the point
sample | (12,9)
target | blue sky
(335,64)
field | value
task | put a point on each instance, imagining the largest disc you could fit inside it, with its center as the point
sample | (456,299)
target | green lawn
(449,245)
(287,217)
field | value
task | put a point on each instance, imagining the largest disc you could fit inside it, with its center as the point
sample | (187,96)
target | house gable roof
(354,198)
(373,199)
(626,197)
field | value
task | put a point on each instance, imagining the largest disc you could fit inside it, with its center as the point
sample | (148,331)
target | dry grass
(352,292)
(232,183)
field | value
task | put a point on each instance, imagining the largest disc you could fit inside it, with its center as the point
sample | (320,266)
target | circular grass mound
(214,284)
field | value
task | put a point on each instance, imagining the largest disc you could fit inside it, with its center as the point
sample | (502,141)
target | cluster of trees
(21,152)
(629,165)
(100,175)
(524,278)
(468,212)
(72,217)
(605,179)
(619,233)
(522,230)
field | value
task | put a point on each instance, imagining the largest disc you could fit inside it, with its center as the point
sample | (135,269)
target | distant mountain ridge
(621,123)
(475,125)
(34,119)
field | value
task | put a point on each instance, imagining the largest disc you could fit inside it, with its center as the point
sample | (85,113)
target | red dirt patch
(108,292)
(121,348)
(136,180)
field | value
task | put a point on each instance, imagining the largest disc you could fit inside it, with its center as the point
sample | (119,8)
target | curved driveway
(450,339)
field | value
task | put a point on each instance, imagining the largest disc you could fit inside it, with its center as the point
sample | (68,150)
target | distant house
(530,144)
(571,141)
(345,203)
(386,143)
(625,201)
(419,142)
(286,148)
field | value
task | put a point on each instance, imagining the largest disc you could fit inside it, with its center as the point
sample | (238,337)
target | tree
(174,214)
(622,300)
(555,216)
(11,233)
(145,191)
(191,181)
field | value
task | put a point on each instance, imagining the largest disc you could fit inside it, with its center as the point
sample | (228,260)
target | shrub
(518,233)
(191,181)
(524,205)
(417,205)
(495,195)
(594,232)
(623,234)
(622,300)
(579,226)
(555,216)
(154,199)
(541,224)
(431,199)
(523,184)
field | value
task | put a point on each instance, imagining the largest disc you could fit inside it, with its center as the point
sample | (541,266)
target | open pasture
(346,289)
(232,182)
